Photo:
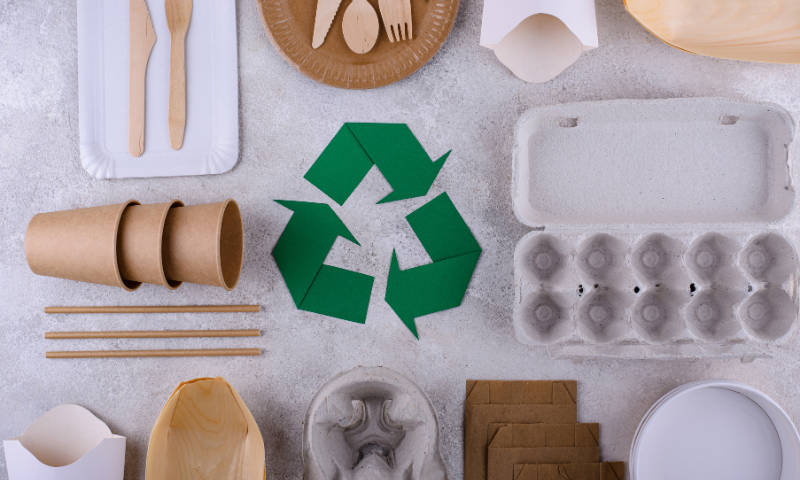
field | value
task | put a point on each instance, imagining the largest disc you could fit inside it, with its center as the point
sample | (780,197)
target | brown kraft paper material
(511,402)
(78,245)
(204,244)
(571,471)
(290,27)
(139,241)
(538,443)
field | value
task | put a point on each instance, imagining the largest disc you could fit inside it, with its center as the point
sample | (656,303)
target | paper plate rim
(787,432)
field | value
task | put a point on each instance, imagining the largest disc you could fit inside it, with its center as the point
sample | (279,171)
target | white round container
(715,429)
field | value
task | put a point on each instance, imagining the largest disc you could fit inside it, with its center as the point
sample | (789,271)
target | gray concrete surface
(463,99)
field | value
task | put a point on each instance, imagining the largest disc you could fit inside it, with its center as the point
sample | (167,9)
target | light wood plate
(290,25)
(755,30)
(205,432)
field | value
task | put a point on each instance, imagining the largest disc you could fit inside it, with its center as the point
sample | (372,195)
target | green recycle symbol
(314,227)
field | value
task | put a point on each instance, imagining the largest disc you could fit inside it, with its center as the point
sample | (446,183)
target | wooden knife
(142,39)
(326,10)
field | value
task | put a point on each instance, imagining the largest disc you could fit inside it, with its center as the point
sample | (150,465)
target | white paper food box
(66,443)
(538,39)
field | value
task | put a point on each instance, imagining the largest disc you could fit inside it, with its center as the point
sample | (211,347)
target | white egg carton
(668,229)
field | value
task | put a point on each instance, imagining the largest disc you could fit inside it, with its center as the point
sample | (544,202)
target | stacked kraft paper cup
(127,244)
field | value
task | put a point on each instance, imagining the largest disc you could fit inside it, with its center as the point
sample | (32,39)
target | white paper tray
(634,170)
(622,162)
(211,141)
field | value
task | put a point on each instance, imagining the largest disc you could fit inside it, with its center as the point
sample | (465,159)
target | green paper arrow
(441,230)
(430,288)
(440,285)
(339,293)
(340,167)
(300,254)
(390,146)
(313,229)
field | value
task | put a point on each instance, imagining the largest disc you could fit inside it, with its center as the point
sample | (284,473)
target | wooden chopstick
(153,334)
(222,352)
(157,309)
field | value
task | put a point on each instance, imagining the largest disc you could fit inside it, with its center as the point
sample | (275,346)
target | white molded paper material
(537,40)
(372,422)
(66,443)
(670,229)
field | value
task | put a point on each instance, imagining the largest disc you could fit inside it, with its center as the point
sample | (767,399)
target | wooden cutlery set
(142,39)
(360,24)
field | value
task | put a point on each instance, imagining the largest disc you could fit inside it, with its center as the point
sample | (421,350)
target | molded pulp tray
(667,229)
(211,141)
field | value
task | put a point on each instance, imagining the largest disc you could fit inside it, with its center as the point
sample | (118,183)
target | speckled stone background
(463,99)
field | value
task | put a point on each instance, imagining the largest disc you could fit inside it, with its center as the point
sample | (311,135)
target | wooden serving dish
(754,30)
(205,432)
(290,25)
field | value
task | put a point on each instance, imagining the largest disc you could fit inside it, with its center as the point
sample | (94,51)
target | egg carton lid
(709,163)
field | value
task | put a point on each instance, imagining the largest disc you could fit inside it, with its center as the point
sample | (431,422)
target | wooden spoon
(360,26)
(179,12)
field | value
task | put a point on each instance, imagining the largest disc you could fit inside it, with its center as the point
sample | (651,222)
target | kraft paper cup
(204,244)
(139,241)
(78,245)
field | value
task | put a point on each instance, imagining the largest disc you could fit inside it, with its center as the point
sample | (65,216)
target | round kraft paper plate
(290,27)
(715,429)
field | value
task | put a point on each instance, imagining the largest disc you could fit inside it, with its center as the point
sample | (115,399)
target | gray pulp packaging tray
(666,229)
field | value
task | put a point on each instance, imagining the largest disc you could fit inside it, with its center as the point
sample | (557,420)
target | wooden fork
(396,16)
(179,13)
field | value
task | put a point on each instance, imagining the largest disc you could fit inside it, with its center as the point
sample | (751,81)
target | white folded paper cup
(537,40)
(66,443)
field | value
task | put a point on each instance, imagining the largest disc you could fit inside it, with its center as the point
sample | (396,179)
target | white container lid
(715,429)
(682,161)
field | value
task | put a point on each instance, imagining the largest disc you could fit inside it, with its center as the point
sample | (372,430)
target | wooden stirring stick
(152,334)
(223,352)
(179,12)
(157,309)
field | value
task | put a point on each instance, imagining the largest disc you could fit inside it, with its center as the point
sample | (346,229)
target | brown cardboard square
(502,460)
(511,402)
(544,434)
(532,436)
(587,434)
(571,471)
(533,392)
(520,443)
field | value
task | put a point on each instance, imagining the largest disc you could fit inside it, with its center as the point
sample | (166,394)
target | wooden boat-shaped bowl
(754,30)
(205,432)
